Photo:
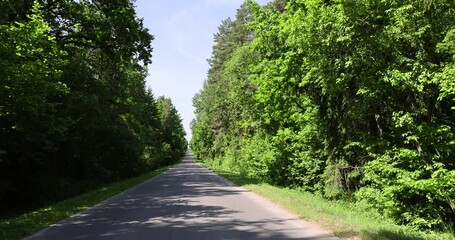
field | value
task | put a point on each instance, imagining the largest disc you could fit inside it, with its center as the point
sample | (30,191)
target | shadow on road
(169,207)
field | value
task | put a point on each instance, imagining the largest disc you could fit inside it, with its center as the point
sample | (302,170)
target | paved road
(187,202)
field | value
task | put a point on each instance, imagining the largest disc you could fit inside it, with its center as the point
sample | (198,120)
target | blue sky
(183,31)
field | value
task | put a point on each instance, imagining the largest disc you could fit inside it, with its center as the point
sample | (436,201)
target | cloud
(183,41)
(189,31)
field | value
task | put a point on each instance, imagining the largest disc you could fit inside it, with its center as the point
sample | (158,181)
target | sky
(183,31)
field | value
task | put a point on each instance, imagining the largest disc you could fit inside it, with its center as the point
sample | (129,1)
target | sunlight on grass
(346,220)
(33,221)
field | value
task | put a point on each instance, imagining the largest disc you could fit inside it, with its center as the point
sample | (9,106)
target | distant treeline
(74,110)
(351,99)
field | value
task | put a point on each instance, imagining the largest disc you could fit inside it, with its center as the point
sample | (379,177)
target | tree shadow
(385,234)
(238,178)
(182,203)
(347,234)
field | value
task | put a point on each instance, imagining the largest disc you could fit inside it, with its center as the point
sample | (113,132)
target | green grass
(30,222)
(346,220)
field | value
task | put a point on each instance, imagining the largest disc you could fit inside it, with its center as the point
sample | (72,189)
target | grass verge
(30,222)
(346,220)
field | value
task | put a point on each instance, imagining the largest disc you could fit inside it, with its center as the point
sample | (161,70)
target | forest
(75,112)
(347,99)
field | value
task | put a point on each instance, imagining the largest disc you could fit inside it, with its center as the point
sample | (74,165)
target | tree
(349,99)
(74,110)
(31,66)
(212,122)
(172,131)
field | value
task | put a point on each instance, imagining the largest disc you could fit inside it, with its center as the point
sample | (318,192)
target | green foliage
(216,114)
(350,99)
(344,219)
(30,222)
(428,189)
(172,131)
(31,66)
(74,110)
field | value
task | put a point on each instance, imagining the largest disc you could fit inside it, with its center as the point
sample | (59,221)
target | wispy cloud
(183,41)
(190,31)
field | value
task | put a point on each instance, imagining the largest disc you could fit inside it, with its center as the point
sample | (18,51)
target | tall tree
(212,122)
(74,110)
(347,98)
(172,130)
(31,66)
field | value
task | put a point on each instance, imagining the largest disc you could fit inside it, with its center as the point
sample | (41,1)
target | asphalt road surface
(187,202)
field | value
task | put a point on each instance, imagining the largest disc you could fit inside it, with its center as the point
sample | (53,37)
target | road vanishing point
(187,202)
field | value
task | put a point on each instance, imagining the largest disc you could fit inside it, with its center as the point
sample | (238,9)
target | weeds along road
(186,202)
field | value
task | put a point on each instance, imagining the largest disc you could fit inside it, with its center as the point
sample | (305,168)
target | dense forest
(348,99)
(74,109)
